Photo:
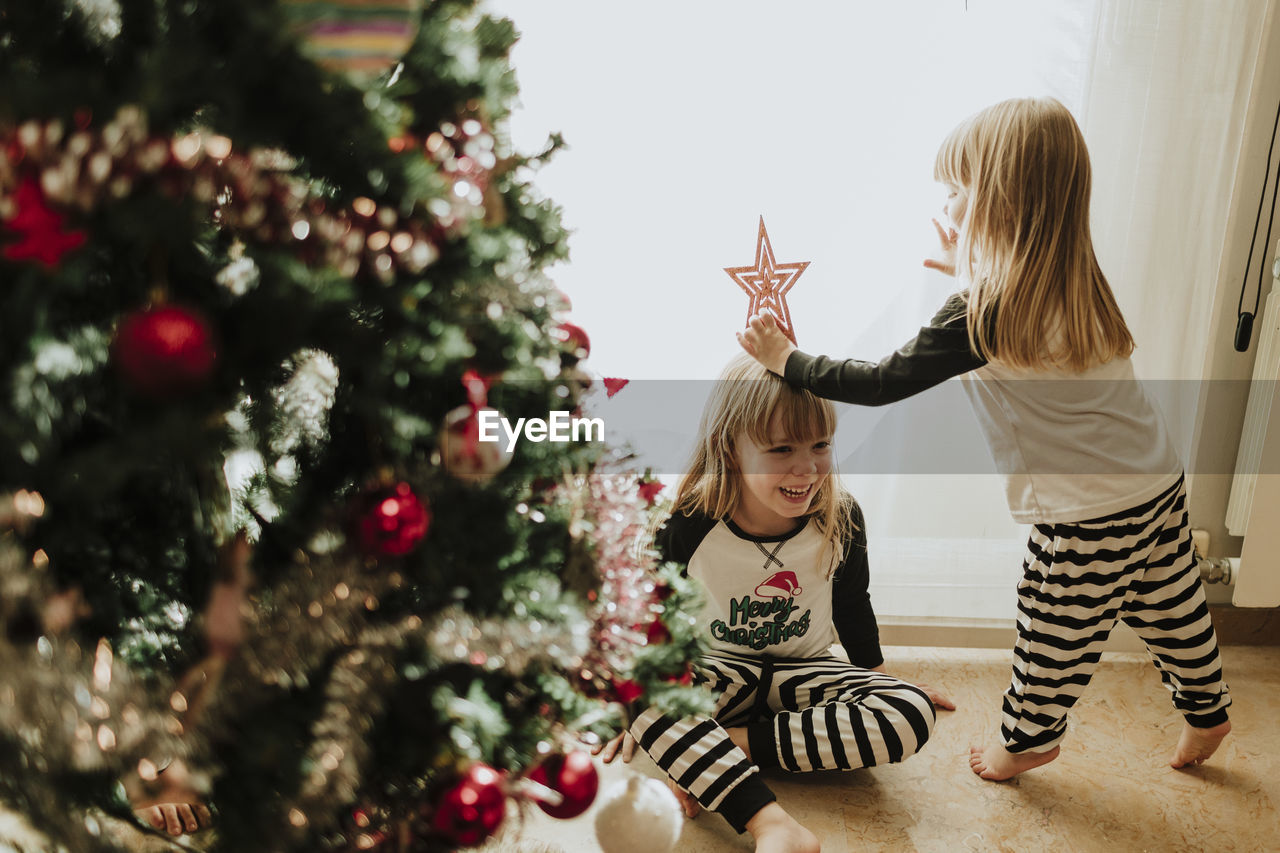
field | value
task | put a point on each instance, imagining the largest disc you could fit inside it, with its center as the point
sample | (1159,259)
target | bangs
(801,416)
(747,402)
(951,166)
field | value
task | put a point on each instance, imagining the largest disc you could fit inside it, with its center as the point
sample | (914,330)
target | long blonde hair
(1037,297)
(744,403)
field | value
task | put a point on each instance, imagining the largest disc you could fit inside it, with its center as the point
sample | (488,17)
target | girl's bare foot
(997,763)
(688,802)
(775,831)
(176,818)
(173,806)
(1195,745)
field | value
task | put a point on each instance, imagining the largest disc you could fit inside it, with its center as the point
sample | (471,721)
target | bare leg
(996,763)
(1195,745)
(738,734)
(775,831)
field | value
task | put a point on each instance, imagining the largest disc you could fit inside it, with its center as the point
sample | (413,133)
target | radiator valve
(1215,569)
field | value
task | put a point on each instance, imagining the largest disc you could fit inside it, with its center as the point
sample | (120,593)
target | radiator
(1266,373)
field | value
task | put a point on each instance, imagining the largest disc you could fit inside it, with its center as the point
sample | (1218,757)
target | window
(688,121)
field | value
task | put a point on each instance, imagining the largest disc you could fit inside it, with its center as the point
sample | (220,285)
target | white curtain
(688,121)
(1164,112)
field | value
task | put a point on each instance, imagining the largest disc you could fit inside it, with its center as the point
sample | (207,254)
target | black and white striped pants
(1078,579)
(800,715)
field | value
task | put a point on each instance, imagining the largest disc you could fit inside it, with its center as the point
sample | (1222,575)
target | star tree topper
(767,283)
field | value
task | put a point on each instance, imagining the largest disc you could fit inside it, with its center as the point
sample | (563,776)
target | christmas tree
(266,268)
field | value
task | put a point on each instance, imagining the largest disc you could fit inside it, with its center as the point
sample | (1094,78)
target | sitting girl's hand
(766,343)
(948,237)
(939,699)
(611,748)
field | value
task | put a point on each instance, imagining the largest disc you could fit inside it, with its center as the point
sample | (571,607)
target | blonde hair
(745,400)
(1037,297)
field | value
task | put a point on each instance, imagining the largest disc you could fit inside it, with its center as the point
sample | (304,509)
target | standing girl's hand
(948,237)
(766,343)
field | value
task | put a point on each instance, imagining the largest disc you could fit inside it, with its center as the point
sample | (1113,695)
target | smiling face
(779,479)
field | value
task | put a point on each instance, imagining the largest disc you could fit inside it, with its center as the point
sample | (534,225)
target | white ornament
(304,401)
(638,815)
(240,276)
(475,463)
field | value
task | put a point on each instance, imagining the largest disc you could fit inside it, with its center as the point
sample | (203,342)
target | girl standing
(1086,458)
(779,548)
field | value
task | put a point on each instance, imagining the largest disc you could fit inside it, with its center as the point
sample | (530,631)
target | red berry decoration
(657,632)
(573,776)
(396,521)
(625,690)
(164,351)
(684,679)
(471,810)
(573,339)
(649,490)
(363,834)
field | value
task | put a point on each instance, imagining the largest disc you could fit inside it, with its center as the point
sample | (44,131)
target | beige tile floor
(1111,789)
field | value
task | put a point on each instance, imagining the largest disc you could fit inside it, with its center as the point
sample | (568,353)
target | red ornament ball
(394,523)
(573,339)
(471,810)
(164,351)
(573,776)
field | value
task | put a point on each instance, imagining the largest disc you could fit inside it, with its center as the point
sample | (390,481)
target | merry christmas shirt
(777,595)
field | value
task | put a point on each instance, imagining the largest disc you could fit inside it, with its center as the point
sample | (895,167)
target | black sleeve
(940,351)
(851,611)
(681,535)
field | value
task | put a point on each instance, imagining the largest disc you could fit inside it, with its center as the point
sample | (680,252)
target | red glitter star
(767,283)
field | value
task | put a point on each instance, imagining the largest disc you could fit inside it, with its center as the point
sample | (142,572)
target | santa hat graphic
(780,585)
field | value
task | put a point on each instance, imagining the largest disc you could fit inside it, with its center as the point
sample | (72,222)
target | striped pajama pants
(1078,579)
(801,714)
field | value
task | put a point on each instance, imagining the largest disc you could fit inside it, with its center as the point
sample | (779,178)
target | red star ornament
(613,386)
(42,236)
(767,283)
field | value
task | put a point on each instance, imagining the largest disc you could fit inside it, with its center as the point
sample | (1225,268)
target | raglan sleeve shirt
(940,351)
(851,611)
(852,616)
(680,536)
